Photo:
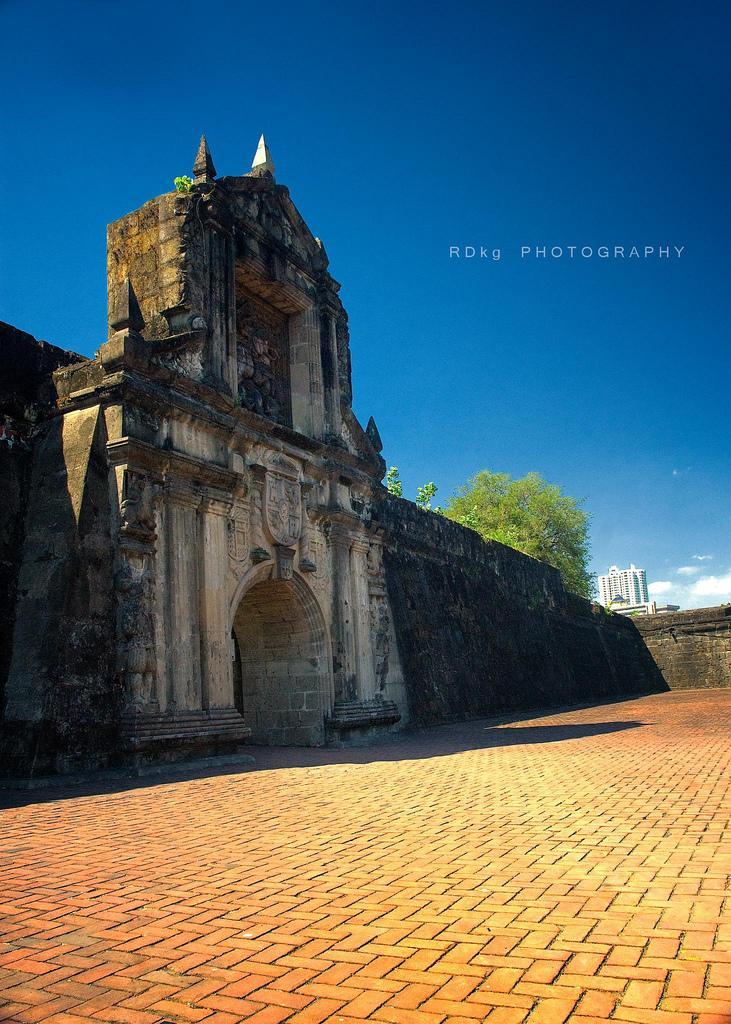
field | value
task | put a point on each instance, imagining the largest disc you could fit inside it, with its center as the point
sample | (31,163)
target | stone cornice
(169,391)
(163,461)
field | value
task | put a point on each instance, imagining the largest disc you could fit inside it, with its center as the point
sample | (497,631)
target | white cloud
(716,588)
(660,588)
(688,570)
(702,558)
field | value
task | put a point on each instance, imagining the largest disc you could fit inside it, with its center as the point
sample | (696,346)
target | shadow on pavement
(439,741)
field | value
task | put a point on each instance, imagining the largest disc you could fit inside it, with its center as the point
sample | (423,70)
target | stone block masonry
(692,649)
(484,630)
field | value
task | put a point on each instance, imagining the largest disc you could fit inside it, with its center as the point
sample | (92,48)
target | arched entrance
(281,664)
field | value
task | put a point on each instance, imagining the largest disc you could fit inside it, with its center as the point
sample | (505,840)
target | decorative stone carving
(380,618)
(262,358)
(376,573)
(283,507)
(238,535)
(185,359)
(361,504)
(381,640)
(259,552)
(137,662)
(284,565)
(135,588)
(318,556)
(137,508)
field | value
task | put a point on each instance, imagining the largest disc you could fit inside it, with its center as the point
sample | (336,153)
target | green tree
(531,515)
(393,484)
(424,497)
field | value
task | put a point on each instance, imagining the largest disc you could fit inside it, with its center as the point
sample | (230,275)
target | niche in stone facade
(262,344)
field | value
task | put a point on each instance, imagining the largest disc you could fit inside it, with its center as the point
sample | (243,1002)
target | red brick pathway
(570,868)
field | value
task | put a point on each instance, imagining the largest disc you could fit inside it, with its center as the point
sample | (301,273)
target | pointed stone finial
(203,168)
(262,158)
(373,436)
(126,314)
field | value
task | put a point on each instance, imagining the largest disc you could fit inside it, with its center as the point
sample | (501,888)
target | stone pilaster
(380,617)
(333,420)
(365,670)
(135,585)
(306,373)
(182,619)
(343,634)
(306,564)
(216,674)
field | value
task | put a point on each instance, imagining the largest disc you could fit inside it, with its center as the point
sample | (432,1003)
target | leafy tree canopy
(531,515)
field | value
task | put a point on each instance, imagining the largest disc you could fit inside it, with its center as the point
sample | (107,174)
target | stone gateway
(196,545)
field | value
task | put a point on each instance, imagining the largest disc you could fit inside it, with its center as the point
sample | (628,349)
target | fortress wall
(692,649)
(26,398)
(484,630)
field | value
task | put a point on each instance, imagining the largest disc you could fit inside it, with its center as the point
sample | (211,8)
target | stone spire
(126,314)
(373,435)
(203,169)
(262,161)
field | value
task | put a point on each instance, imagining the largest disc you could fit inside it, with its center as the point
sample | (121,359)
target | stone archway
(281,664)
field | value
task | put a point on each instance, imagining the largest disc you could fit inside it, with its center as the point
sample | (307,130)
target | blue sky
(404,129)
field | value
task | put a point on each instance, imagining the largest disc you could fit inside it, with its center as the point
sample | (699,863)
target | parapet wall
(485,630)
(692,649)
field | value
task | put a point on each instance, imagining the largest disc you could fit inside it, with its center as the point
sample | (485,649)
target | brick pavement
(568,868)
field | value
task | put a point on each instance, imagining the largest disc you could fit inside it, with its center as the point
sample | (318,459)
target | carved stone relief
(319,557)
(380,618)
(283,507)
(258,550)
(135,589)
(263,358)
(238,534)
(137,508)
(381,637)
(137,661)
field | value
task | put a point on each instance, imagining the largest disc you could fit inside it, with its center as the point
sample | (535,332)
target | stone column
(216,673)
(182,613)
(306,373)
(221,333)
(362,619)
(343,638)
(331,381)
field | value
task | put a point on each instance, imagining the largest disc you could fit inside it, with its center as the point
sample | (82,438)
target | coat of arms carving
(238,541)
(283,507)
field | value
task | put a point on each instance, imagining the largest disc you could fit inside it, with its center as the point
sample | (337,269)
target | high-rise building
(630,584)
(623,607)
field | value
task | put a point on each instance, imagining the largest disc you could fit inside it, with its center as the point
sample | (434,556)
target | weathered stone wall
(145,246)
(692,649)
(62,709)
(485,630)
(26,400)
